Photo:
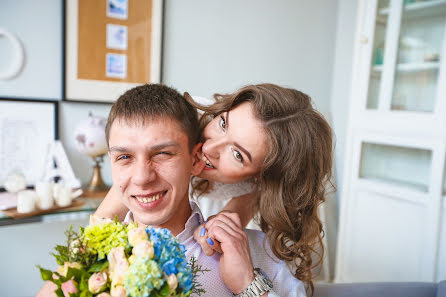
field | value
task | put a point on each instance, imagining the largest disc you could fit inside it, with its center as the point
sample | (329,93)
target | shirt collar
(195,220)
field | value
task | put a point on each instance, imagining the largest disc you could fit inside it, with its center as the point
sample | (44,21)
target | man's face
(151,166)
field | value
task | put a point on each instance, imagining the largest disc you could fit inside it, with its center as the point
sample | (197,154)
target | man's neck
(177,223)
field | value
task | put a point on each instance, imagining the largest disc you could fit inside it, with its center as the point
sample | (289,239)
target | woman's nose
(212,147)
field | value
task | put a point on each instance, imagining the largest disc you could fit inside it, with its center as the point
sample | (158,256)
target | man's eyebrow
(164,145)
(118,149)
(157,147)
(245,151)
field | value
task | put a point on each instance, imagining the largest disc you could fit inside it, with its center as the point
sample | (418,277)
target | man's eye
(222,123)
(123,157)
(164,154)
(238,156)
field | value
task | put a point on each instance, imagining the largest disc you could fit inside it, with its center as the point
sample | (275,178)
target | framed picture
(26,130)
(111,46)
(31,55)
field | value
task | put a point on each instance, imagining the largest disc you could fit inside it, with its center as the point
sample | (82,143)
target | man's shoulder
(259,244)
(277,270)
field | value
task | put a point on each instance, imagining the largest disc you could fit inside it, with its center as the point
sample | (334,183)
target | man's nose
(144,173)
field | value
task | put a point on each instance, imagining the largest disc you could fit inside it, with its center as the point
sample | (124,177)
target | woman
(272,137)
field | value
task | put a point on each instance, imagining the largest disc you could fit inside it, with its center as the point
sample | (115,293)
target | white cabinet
(393,213)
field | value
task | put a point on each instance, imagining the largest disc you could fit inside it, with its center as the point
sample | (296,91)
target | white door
(391,207)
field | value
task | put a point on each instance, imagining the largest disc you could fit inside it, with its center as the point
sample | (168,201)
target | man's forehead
(164,126)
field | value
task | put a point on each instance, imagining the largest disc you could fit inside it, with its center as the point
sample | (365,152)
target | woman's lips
(209,165)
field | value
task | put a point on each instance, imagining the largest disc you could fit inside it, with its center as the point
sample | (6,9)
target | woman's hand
(236,268)
(201,236)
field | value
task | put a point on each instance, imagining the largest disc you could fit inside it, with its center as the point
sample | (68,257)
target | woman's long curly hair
(295,173)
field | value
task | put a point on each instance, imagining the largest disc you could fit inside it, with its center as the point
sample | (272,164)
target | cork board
(92,50)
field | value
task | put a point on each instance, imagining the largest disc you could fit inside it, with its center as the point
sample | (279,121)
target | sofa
(397,289)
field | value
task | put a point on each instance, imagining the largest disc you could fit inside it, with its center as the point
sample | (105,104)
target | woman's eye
(238,156)
(222,123)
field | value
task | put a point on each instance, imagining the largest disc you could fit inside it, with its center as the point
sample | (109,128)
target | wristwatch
(259,286)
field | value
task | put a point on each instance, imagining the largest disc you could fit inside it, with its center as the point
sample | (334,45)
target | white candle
(26,201)
(44,192)
(64,196)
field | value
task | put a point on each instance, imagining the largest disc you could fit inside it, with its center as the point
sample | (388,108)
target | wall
(340,98)
(218,46)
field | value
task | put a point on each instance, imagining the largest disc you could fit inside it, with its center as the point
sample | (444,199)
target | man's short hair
(152,101)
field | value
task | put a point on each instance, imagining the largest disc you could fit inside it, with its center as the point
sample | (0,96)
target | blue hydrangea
(170,256)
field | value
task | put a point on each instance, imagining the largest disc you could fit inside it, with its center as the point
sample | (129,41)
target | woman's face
(235,145)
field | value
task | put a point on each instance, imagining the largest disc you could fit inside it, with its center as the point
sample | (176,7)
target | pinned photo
(116,37)
(116,65)
(117,9)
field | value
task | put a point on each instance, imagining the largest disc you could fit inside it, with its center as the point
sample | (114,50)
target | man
(151,133)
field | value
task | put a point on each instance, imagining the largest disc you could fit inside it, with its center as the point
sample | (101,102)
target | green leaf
(46,274)
(164,292)
(98,266)
(59,292)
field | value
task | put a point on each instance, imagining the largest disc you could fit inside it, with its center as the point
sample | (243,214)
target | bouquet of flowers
(112,259)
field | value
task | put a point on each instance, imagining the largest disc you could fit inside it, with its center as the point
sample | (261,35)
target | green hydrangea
(143,276)
(101,238)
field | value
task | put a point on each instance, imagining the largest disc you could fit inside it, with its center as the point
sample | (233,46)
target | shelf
(421,9)
(411,67)
(62,215)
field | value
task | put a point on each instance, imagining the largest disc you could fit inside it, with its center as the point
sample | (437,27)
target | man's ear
(197,163)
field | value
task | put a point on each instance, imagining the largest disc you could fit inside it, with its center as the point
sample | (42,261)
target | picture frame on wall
(111,46)
(27,128)
(31,56)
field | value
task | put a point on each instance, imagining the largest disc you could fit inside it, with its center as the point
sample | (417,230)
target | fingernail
(210,241)
(202,232)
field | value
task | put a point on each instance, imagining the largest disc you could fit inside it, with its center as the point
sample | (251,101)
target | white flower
(118,265)
(143,249)
(97,282)
(172,281)
(136,235)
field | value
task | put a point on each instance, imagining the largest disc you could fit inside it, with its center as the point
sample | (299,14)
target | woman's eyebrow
(245,151)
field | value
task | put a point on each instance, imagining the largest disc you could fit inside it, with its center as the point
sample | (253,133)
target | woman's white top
(220,194)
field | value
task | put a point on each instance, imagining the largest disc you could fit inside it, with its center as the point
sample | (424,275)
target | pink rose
(118,265)
(143,249)
(97,282)
(104,294)
(69,287)
(136,235)
(118,291)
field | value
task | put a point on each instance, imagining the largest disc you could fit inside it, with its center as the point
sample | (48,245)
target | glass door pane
(398,165)
(378,54)
(419,48)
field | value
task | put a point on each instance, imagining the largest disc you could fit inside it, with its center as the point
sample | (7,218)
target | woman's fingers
(208,245)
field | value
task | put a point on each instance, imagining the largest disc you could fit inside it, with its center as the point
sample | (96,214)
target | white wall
(341,80)
(218,46)
(339,103)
